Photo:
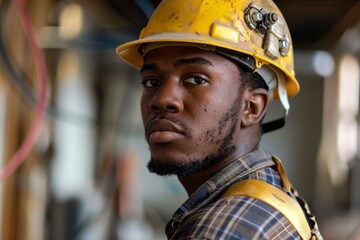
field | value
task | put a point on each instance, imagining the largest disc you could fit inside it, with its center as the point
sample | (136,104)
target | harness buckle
(316,235)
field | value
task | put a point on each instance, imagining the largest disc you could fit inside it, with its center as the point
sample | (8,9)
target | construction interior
(72,152)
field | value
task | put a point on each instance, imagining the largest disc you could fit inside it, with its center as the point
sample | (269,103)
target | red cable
(30,140)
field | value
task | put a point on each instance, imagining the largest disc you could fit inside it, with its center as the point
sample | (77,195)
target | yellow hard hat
(252,28)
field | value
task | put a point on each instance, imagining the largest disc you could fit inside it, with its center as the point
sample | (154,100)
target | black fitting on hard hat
(245,60)
(248,62)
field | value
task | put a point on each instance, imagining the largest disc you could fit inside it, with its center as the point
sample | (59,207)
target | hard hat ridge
(252,32)
(253,28)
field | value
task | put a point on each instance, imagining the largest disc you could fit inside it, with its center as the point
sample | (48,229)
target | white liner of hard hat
(273,76)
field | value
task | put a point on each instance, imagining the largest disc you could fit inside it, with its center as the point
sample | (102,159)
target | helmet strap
(273,125)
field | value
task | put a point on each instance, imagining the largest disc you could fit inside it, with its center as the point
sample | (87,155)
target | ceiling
(319,23)
(314,24)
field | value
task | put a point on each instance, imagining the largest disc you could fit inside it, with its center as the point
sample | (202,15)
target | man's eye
(149,83)
(195,80)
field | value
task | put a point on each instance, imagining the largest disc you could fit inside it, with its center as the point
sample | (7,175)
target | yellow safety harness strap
(275,198)
(278,199)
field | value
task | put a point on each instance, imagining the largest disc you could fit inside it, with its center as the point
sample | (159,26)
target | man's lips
(163,131)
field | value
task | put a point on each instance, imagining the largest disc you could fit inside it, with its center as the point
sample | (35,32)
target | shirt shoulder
(236,217)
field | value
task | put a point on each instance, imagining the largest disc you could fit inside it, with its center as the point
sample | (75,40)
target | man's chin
(167,169)
(182,169)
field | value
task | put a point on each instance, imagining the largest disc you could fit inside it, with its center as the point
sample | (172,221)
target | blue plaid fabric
(207,216)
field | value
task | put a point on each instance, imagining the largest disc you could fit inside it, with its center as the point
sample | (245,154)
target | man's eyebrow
(195,60)
(184,61)
(146,67)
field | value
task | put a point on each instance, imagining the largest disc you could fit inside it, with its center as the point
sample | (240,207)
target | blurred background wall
(85,177)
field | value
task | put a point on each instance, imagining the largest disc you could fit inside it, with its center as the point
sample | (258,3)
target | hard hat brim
(131,54)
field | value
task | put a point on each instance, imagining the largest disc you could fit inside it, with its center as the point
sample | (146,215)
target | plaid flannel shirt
(207,216)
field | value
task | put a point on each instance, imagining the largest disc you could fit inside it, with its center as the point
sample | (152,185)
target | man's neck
(192,182)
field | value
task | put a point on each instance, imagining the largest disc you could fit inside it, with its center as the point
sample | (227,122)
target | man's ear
(255,103)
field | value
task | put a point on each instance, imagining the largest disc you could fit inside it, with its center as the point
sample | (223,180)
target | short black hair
(250,79)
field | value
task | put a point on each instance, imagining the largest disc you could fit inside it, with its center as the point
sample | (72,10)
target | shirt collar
(227,176)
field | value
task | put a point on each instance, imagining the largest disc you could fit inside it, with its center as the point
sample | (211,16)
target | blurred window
(347,128)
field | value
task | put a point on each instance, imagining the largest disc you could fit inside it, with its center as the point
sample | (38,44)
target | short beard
(197,165)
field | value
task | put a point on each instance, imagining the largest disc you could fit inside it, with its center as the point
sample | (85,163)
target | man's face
(190,108)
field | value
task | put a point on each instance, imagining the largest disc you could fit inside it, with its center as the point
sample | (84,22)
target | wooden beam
(19,199)
(10,210)
(349,19)
(13,129)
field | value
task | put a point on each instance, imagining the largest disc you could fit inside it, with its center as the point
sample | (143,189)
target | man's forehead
(179,55)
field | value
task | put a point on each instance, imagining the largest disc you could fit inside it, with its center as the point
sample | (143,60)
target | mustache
(166,123)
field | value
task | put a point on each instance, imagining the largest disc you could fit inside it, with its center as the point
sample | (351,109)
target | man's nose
(168,98)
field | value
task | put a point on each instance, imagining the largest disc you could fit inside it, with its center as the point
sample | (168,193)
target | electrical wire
(20,80)
(21,154)
(21,85)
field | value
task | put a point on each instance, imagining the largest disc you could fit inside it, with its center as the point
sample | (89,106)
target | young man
(209,70)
